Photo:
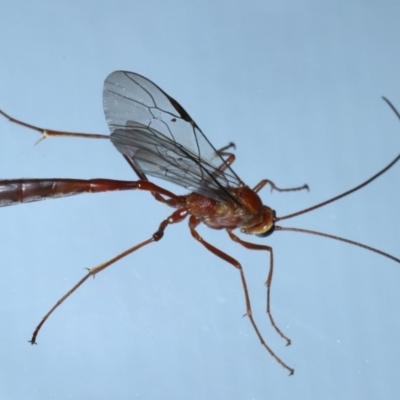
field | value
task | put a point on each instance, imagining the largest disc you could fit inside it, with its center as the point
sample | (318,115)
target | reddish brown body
(247,212)
(152,145)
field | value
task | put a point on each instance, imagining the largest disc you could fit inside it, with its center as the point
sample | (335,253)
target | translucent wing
(158,135)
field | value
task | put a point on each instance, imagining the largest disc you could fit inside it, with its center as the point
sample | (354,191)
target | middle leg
(268,282)
(193,222)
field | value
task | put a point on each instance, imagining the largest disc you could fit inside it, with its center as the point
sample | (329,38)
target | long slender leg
(264,182)
(222,151)
(268,282)
(193,222)
(143,177)
(48,132)
(176,216)
(230,157)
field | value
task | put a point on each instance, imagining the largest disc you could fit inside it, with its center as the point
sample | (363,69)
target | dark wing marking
(160,138)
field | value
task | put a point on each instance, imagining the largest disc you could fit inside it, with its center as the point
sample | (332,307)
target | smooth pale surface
(297,86)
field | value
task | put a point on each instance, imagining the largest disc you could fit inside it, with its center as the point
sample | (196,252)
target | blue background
(297,86)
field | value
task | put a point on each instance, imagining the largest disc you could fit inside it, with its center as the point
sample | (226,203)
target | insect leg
(170,202)
(260,185)
(193,222)
(230,157)
(268,282)
(176,216)
(222,151)
(47,132)
(264,182)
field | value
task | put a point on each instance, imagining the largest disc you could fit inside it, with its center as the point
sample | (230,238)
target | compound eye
(266,233)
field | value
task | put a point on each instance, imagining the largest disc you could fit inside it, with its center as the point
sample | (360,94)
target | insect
(158,138)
